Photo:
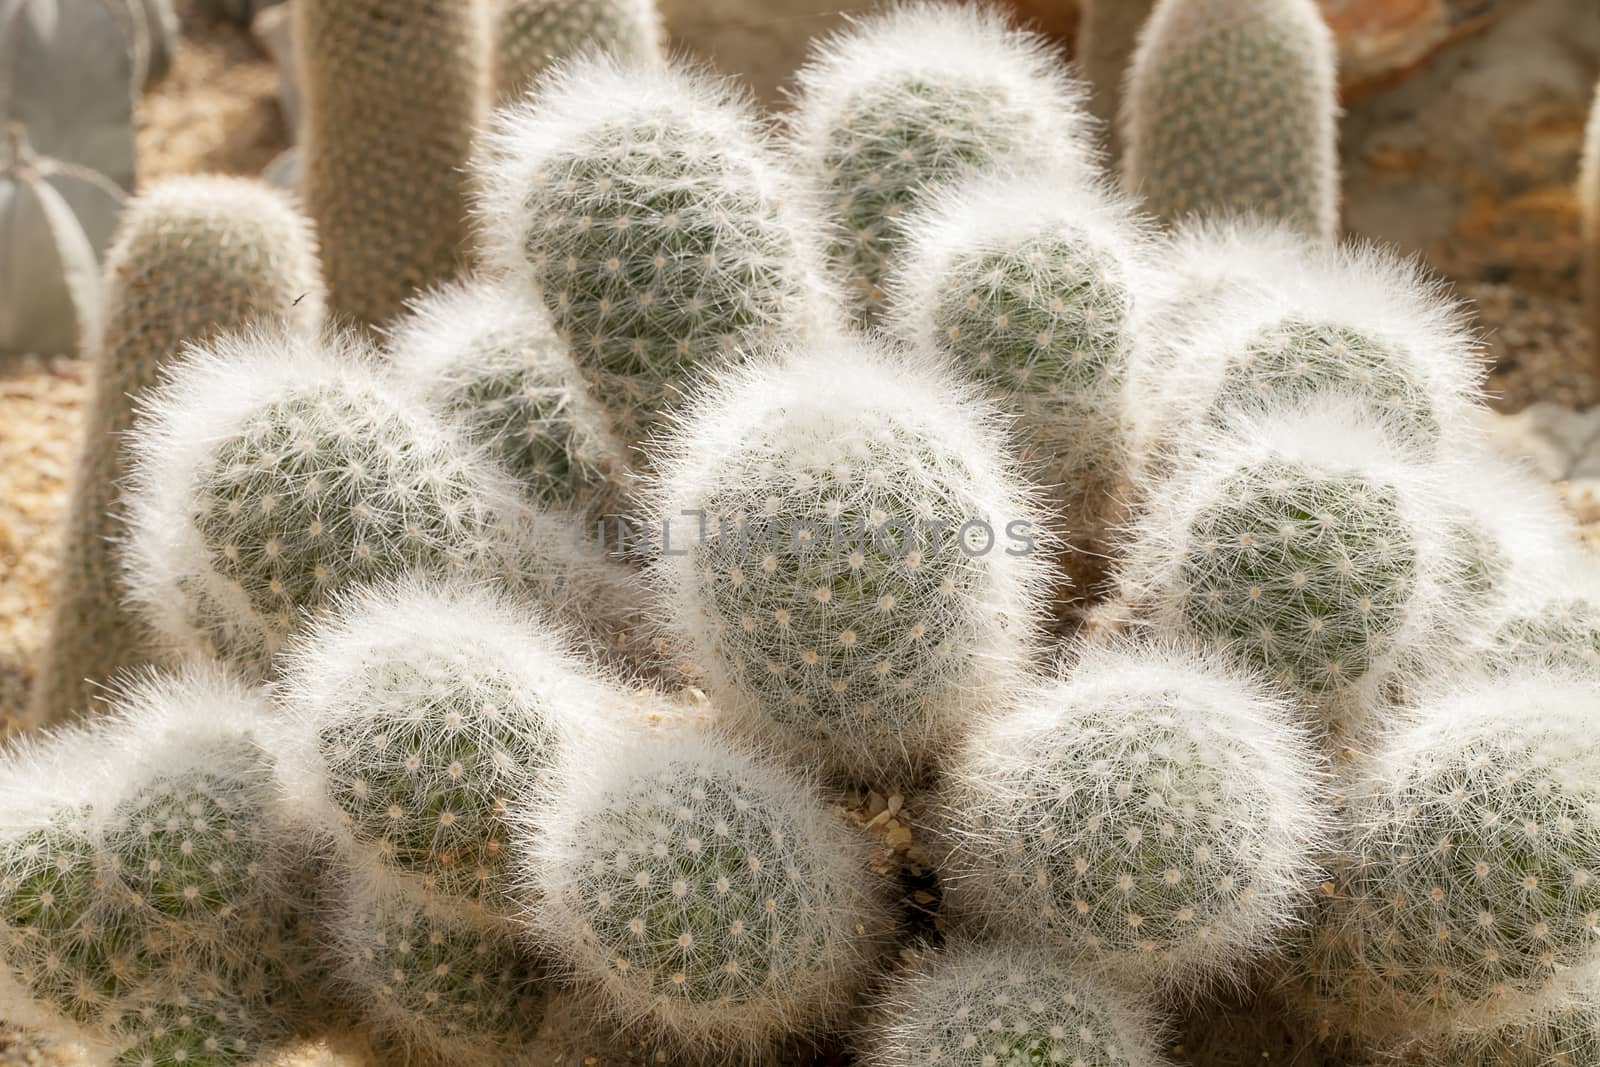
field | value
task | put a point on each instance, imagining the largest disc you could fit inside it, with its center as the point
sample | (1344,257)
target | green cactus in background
(193,257)
(1231,108)
(1108,32)
(393,91)
(530,35)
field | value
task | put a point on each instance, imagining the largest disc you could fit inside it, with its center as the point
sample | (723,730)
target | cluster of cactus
(502,790)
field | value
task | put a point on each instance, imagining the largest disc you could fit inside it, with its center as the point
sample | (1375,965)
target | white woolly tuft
(870,658)
(702,893)
(1001,1003)
(418,714)
(1466,895)
(423,473)
(1155,813)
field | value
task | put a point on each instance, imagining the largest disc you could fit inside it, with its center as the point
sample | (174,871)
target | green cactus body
(839,594)
(1001,1006)
(1467,898)
(273,474)
(487,359)
(165,1034)
(193,257)
(1231,109)
(530,35)
(393,91)
(704,895)
(1108,31)
(1562,631)
(647,208)
(916,98)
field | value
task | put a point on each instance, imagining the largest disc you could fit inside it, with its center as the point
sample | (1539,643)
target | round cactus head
(998,1005)
(1027,285)
(529,35)
(702,893)
(485,357)
(647,208)
(856,564)
(420,717)
(1303,543)
(1154,815)
(1548,613)
(272,472)
(916,97)
(1467,896)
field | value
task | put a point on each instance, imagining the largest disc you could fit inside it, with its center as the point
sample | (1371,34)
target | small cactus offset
(193,257)
(1231,108)
(702,894)
(393,90)
(1004,1005)
(1154,814)
(647,208)
(420,718)
(1027,285)
(855,564)
(918,97)
(530,35)
(1589,205)
(1302,542)
(1549,617)
(272,472)
(486,358)
(1466,897)
(1108,32)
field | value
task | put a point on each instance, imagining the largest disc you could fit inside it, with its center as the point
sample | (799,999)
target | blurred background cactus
(530,35)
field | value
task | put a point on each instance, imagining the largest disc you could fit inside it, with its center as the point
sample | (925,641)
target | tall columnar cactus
(1589,204)
(271,472)
(1358,320)
(137,860)
(854,562)
(485,356)
(1303,542)
(1155,815)
(1028,285)
(1467,897)
(530,35)
(702,894)
(646,206)
(1108,32)
(393,90)
(916,97)
(193,257)
(420,717)
(985,1005)
(1232,108)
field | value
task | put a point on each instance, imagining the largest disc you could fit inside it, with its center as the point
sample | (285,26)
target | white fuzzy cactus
(1028,285)
(1467,893)
(420,717)
(1001,1005)
(271,472)
(919,96)
(1305,543)
(646,206)
(853,561)
(484,355)
(1550,616)
(705,895)
(1154,814)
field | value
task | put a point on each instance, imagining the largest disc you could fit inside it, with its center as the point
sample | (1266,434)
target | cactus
(170,1033)
(1589,205)
(271,472)
(486,358)
(193,257)
(1466,898)
(1108,32)
(392,91)
(1231,108)
(1028,286)
(922,95)
(647,207)
(529,35)
(1155,815)
(1000,1005)
(420,717)
(1302,542)
(1549,617)
(701,893)
(437,981)
(828,512)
